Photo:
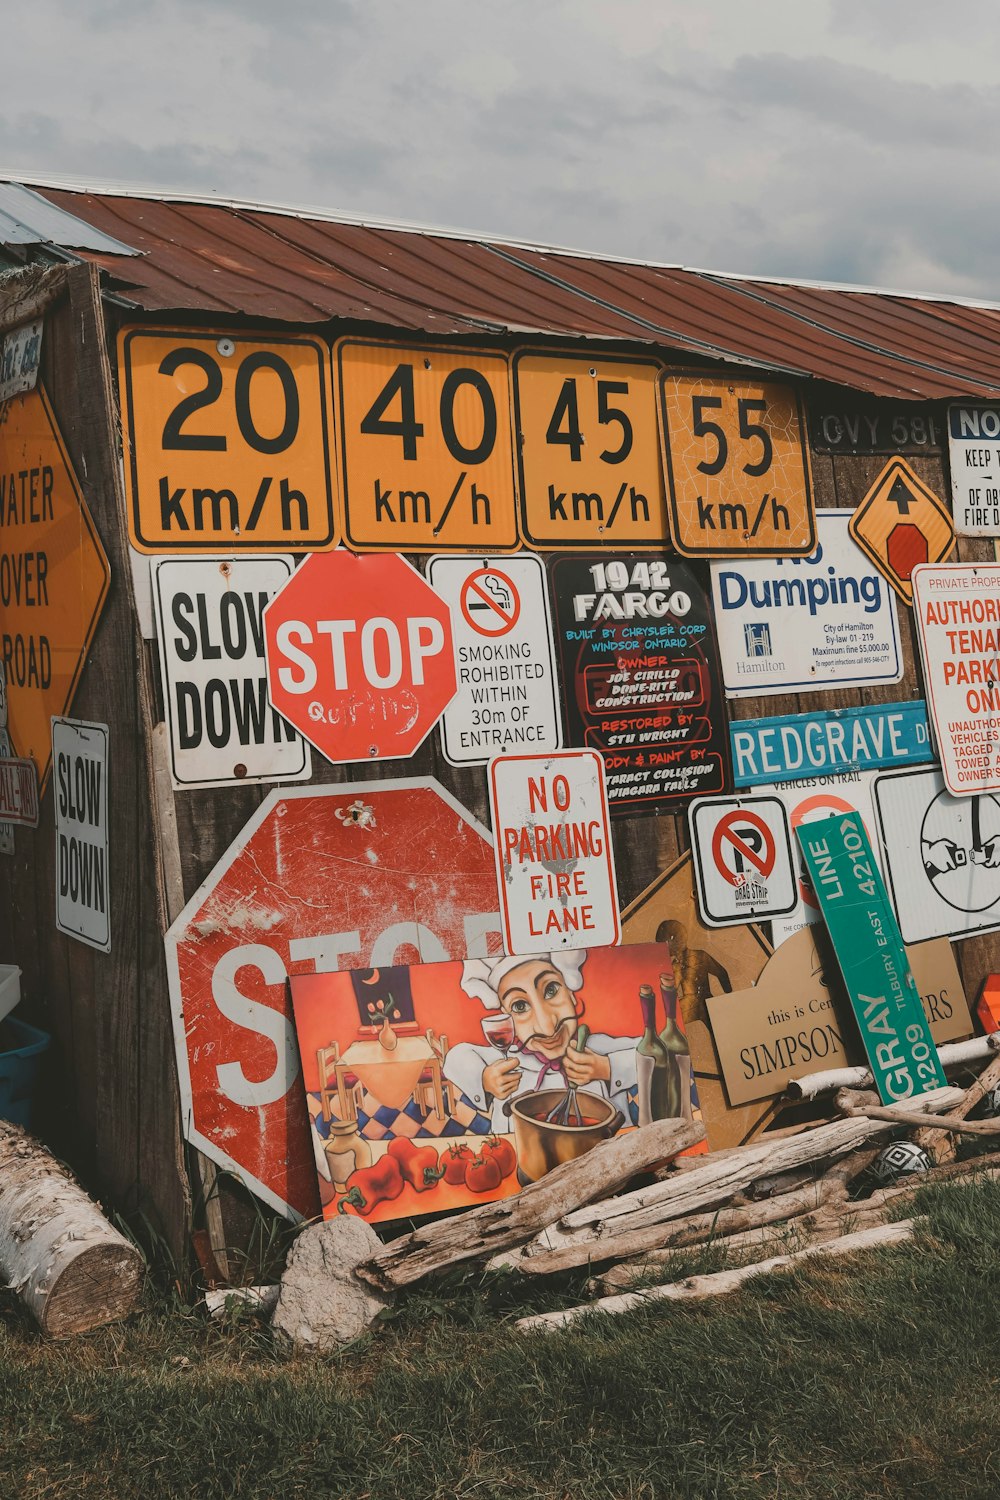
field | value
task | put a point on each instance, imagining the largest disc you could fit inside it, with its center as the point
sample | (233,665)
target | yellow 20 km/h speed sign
(426,449)
(590,466)
(227,441)
(737,460)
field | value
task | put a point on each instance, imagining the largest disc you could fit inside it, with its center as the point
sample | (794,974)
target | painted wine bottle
(653,1064)
(676,1044)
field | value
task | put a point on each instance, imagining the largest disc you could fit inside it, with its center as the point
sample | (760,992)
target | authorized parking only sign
(742,859)
(507,699)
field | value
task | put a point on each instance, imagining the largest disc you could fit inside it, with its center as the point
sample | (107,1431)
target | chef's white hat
(481,976)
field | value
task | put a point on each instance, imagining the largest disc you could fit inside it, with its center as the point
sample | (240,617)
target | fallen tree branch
(849,1104)
(719,1283)
(68,1265)
(977,1049)
(509,1222)
(938,1143)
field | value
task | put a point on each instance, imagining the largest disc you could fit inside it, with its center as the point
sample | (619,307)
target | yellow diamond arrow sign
(901,523)
(54,575)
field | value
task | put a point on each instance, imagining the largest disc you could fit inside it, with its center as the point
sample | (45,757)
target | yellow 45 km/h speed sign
(426,452)
(227,441)
(589,451)
(737,460)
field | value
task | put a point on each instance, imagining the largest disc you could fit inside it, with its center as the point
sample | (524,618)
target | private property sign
(360,655)
(872,959)
(554,859)
(957,611)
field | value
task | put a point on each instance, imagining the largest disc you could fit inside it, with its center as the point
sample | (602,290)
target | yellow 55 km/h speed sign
(589,451)
(227,441)
(737,461)
(426,453)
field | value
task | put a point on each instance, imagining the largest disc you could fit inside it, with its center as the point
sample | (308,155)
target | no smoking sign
(507,699)
(742,859)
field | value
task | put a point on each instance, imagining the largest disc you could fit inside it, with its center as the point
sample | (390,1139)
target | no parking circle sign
(742,859)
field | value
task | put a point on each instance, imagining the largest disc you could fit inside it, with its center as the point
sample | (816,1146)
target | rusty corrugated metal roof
(235,259)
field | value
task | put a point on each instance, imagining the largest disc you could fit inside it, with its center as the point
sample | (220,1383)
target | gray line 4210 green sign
(871,956)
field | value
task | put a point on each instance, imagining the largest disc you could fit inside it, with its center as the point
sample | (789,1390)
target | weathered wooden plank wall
(111,1107)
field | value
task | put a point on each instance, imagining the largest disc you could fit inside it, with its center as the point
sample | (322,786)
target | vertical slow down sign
(871,956)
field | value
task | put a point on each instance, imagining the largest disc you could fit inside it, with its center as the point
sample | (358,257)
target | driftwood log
(939,1144)
(509,1222)
(635,1222)
(719,1283)
(953,1055)
(57,1251)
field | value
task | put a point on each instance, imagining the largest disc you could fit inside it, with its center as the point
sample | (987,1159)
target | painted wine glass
(499,1032)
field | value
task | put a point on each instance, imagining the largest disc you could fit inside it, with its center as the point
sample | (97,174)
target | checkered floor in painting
(377,1122)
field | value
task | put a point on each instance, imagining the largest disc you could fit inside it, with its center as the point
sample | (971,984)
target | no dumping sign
(742,859)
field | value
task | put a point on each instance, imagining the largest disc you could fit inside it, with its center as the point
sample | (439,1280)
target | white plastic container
(10,988)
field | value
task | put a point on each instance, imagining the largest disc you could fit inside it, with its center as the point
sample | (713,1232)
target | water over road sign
(54,576)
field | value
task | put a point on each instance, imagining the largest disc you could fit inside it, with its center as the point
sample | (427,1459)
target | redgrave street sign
(364,875)
(359,655)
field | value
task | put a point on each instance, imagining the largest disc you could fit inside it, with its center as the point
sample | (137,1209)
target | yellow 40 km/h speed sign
(737,460)
(589,451)
(227,441)
(426,451)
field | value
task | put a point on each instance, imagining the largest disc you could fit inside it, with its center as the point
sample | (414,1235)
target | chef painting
(533,1010)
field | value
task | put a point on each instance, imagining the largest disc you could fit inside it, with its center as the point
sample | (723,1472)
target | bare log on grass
(509,1222)
(977,1049)
(57,1250)
(719,1283)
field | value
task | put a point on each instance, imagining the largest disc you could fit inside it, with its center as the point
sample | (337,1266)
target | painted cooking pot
(542,1144)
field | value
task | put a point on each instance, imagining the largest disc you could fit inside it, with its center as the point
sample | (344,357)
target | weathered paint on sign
(227,441)
(737,461)
(554,858)
(80,780)
(957,612)
(363,875)
(19,791)
(872,959)
(873,427)
(974,455)
(426,448)
(209,619)
(54,576)
(589,450)
(360,656)
(508,696)
(806,624)
(20,358)
(6,829)
(791,746)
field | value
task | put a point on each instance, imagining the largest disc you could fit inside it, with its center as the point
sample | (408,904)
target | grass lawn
(867,1377)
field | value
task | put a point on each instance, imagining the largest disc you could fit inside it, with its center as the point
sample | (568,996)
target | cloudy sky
(848,140)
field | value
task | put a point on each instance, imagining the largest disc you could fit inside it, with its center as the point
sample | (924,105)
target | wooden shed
(874,373)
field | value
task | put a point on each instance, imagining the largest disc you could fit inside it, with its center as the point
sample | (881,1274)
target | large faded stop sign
(321,878)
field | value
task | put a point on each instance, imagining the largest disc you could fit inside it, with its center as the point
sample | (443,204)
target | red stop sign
(322,878)
(359,655)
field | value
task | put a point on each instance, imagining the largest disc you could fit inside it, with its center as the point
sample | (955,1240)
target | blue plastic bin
(19,1068)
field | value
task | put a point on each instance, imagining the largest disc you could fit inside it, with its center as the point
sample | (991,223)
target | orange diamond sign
(54,575)
(901,523)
